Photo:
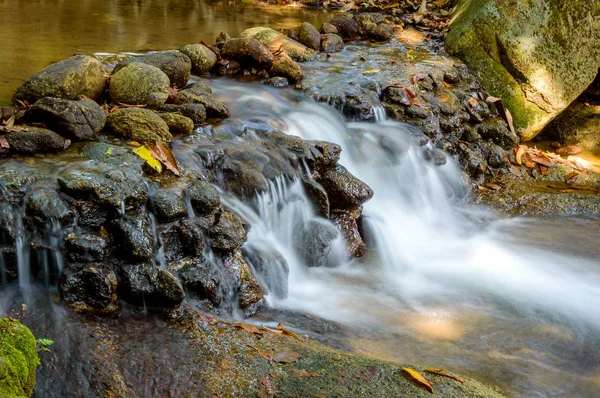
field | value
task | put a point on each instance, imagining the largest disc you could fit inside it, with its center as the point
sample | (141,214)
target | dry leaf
(263,354)
(304,373)
(580,164)
(473,102)
(265,388)
(447,85)
(544,161)
(134,143)
(527,161)
(4,143)
(568,150)
(10,122)
(287,332)
(492,185)
(162,153)
(103,232)
(521,149)
(146,154)
(271,330)
(571,178)
(423,8)
(392,5)
(249,328)
(515,170)
(544,170)
(442,372)
(416,376)
(276,45)
(286,357)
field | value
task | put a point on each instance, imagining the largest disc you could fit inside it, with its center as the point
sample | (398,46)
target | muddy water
(35,33)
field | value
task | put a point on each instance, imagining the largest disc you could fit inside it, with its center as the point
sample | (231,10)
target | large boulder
(345,191)
(175,64)
(18,359)
(35,140)
(536,55)
(248,50)
(78,120)
(298,51)
(66,79)
(203,58)
(139,124)
(139,84)
(309,36)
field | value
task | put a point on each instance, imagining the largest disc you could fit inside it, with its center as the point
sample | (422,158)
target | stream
(513,302)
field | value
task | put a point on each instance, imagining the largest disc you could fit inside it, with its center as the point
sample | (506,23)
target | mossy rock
(536,55)
(18,359)
(297,51)
(140,84)
(203,58)
(139,124)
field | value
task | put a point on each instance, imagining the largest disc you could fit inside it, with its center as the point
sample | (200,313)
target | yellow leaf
(520,152)
(103,232)
(287,332)
(146,154)
(416,376)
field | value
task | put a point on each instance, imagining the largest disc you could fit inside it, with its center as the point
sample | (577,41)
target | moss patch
(18,359)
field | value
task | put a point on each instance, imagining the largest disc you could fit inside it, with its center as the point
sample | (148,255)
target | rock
(435,156)
(228,67)
(196,112)
(272,269)
(473,162)
(203,58)
(167,205)
(18,359)
(309,36)
(347,225)
(277,81)
(531,56)
(191,235)
(248,50)
(148,285)
(284,66)
(77,120)
(66,79)
(497,131)
(176,65)
(329,28)
(139,84)
(85,248)
(203,198)
(577,125)
(251,291)
(178,124)
(35,140)
(331,43)
(317,196)
(223,37)
(346,27)
(200,93)
(133,237)
(343,189)
(315,247)
(203,280)
(45,204)
(293,34)
(297,51)
(90,288)
(138,124)
(229,233)
(372,25)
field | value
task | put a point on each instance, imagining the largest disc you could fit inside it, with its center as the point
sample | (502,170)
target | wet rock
(353,101)
(271,268)
(329,28)
(317,196)
(229,233)
(139,84)
(178,124)
(167,205)
(309,36)
(82,247)
(203,197)
(248,50)
(45,204)
(297,51)
(176,65)
(479,112)
(497,131)
(66,79)
(203,280)
(191,234)
(169,241)
(200,93)
(138,124)
(315,246)
(347,225)
(345,191)
(331,43)
(251,291)
(284,66)
(228,67)
(133,237)
(35,140)
(372,25)
(494,154)
(202,57)
(10,264)
(473,162)
(77,120)
(150,285)
(196,112)
(435,156)
(396,95)
(277,81)
(346,27)
(222,37)
(90,288)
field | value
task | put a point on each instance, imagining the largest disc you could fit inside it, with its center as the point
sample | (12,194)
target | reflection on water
(35,33)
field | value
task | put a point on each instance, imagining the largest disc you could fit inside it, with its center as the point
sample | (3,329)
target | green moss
(18,359)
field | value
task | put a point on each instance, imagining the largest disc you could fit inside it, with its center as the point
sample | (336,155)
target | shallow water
(36,33)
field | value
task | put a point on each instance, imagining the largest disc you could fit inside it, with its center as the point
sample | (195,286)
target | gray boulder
(175,64)
(331,43)
(139,84)
(35,140)
(202,57)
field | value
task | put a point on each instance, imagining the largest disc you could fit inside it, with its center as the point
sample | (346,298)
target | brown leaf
(509,120)
(544,161)
(543,170)
(362,58)
(265,355)
(10,122)
(473,102)
(265,388)
(277,43)
(287,332)
(568,150)
(134,143)
(103,232)
(442,372)
(492,185)
(162,153)
(515,170)
(286,357)
(304,373)
(447,85)
(392,5)
(571,178)
(3,143)
(527,162)
(417,377)
(249,328)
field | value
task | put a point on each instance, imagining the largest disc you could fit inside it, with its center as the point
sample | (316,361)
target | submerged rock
(66,79)
(18,359)
(138,124)
(79,120)
(315,247)
(139,84)
(176,65)
(202,57)
(35,140)
(248,50)
(277,81)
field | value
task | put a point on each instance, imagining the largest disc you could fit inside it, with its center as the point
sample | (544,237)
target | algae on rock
(18,359)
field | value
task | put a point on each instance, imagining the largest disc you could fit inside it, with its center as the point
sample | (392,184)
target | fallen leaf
(447,85)
(10,122)
(304,373)
(544,161)
(287,332)
(423,8)
(544,170)
(492,185)
(4,143)
(276,45)
(392,5)
(103,232)
(568,150)
(515,170)
(416,376)
(527,162)
(509,120)
(161,152)
(473,102)
(109,151)
(134,143)
(286,357)
(265,388)
(580,164)
(362,58)
(442,372)
(249,328)
(571,178)
(146,154)
(521,149)
(275,331)
(265,355)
